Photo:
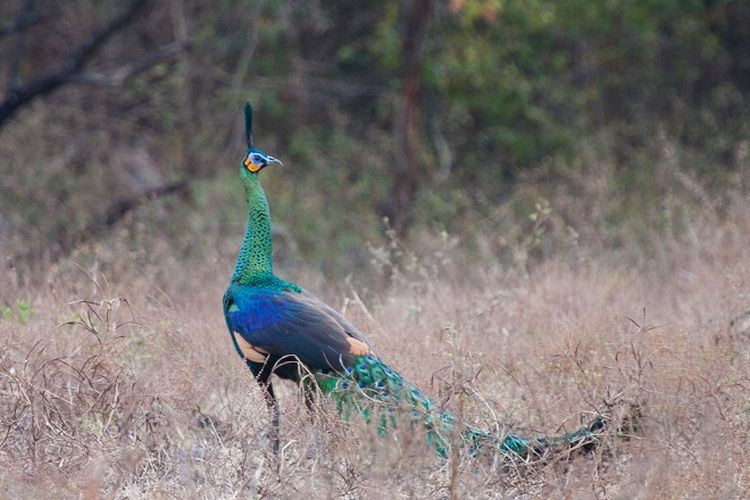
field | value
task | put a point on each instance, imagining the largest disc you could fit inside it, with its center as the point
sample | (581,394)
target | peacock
(279,328)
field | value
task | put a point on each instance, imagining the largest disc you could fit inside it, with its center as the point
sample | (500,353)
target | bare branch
(116,77)
(25,20)
(121,208)
(108,219)
(74,63)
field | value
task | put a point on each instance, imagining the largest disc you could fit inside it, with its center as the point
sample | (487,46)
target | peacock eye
(257,159)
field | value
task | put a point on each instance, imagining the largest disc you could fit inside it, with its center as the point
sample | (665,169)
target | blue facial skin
(255,159)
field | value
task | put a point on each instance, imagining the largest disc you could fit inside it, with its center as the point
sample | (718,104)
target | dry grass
(120,379)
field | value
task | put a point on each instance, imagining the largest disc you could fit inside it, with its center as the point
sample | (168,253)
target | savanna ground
(118,377)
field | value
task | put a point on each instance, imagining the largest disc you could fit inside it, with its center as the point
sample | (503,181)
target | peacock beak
(271,159)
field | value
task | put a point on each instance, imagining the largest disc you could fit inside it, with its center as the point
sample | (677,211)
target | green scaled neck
(254,264)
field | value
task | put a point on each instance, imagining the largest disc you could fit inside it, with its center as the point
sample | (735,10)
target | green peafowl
(279,328)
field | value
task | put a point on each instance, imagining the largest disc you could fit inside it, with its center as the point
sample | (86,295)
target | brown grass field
(118,379)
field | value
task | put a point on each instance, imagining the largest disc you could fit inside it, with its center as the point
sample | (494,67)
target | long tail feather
(373,390)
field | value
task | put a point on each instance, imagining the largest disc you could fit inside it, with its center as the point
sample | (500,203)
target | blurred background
(546,202)
(506,130)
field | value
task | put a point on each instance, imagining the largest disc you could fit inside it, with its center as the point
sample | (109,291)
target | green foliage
(21,312)
(630,102)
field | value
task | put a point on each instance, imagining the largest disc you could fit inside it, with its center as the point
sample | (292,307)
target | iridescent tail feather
(376,392)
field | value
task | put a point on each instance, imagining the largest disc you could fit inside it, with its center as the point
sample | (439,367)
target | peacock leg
(310,394)
(273,407)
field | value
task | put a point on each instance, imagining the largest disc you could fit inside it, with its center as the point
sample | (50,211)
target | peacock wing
(347,325)
(266,322)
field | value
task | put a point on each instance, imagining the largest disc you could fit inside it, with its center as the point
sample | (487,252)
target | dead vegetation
(118,379)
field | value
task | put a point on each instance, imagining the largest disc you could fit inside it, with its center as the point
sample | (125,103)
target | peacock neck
(254,263)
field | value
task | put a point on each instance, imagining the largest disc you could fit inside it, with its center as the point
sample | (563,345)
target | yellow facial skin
(251,166)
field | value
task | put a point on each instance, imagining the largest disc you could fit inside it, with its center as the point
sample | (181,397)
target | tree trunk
(408,168)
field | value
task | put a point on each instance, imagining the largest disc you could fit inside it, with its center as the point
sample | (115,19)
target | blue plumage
(256,309)
(283,322)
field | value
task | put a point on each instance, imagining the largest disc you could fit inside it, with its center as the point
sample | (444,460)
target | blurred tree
(70,68)
(19,92)
(407,152)
(379,114)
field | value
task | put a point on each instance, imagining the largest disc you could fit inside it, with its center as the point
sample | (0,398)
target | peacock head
(255,160)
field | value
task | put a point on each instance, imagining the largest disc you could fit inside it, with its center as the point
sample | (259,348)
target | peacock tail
(371,389)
